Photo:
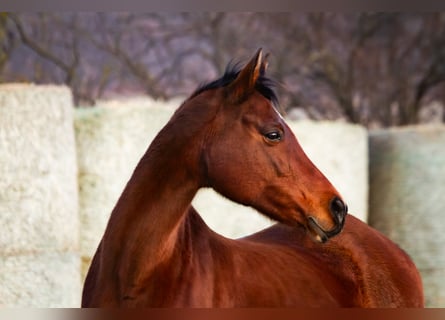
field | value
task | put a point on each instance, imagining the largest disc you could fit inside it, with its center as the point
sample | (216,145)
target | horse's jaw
(321,235)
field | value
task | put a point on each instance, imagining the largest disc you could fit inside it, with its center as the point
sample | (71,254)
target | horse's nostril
(338,209)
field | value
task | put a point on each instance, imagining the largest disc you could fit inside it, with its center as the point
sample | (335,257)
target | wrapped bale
(38,198)
(407,175)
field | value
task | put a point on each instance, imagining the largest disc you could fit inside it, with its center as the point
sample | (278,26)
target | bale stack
(39,258)
(407,188)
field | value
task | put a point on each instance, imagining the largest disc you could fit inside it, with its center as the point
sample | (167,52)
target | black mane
(263,85)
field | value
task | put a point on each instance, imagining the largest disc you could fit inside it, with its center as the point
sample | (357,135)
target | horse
(157,251)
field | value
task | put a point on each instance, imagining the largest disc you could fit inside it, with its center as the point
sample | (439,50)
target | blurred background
(376,69)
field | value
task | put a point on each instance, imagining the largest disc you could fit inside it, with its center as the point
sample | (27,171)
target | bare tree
(8,41)
(434,73)
(61,50)
(369,68)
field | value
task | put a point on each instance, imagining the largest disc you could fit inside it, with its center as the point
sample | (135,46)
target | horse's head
(251,156)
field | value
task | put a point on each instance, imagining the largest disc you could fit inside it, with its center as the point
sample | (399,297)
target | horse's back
(376,272)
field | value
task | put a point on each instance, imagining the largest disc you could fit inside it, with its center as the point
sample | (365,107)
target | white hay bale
(47,280)
(228,218)
(38,181)
(407,184)
(110,138)
(339,150)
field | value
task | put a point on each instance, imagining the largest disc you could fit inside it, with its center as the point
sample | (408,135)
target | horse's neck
(144,225)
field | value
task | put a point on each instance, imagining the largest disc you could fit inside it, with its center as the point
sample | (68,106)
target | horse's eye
(273,136)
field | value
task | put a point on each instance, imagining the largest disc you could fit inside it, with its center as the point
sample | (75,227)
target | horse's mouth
(321,235)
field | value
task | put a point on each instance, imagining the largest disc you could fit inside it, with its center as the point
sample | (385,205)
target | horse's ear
(244,84)
(264,65)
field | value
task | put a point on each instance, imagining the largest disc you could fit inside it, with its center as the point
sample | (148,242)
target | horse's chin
(318,233)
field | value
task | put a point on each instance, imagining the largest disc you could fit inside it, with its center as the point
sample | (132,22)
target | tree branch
(41,51)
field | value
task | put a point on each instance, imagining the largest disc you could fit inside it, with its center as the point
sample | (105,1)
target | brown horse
(157,251)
